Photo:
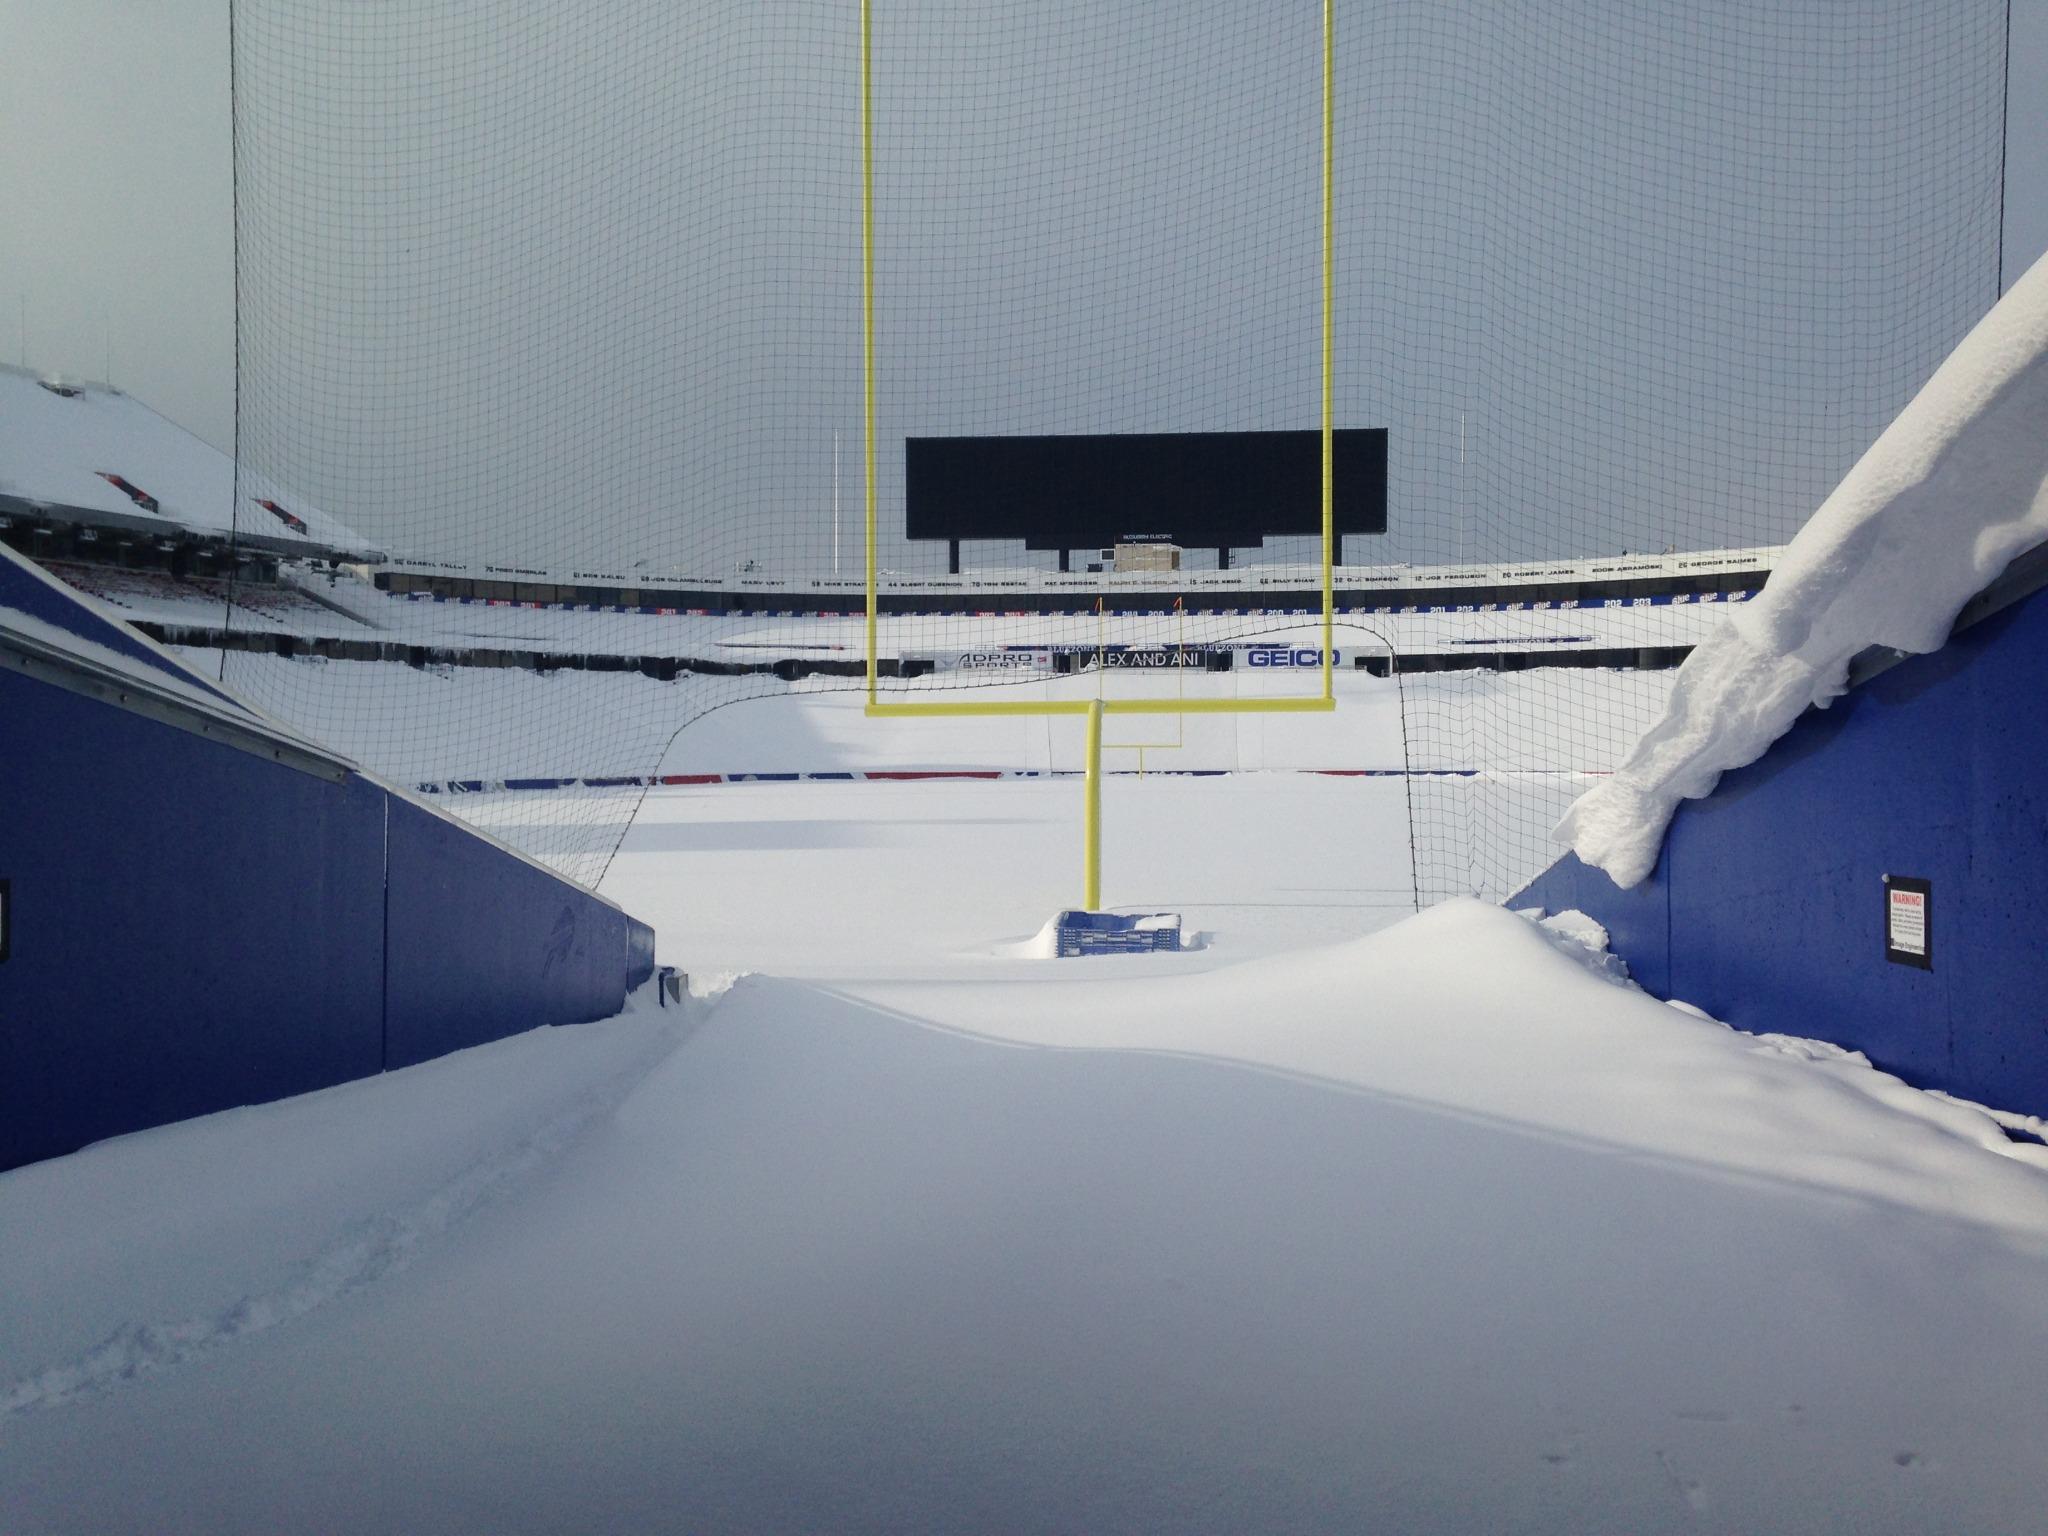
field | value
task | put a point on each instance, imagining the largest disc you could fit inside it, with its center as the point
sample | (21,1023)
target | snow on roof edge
(86,452)
(1949,494)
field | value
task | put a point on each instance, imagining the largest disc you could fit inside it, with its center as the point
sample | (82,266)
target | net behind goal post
(1113,379)
(1058,249)
(586,294)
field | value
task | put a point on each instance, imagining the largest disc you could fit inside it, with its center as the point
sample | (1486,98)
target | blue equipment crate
(1114,933)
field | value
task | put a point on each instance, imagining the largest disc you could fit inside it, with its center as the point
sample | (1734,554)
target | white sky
(116,251)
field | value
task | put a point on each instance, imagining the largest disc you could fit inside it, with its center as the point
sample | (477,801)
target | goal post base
(1113,933)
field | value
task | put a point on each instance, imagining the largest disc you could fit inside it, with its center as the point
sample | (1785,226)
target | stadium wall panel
(481,944)
(1767,906)
(194,927)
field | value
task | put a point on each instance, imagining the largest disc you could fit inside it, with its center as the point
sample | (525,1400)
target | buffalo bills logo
(291,520)
(132,491)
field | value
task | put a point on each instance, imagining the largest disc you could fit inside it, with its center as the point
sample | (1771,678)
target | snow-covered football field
(1347,1221)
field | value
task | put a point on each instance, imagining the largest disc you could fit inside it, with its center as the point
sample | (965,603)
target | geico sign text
(1286,656)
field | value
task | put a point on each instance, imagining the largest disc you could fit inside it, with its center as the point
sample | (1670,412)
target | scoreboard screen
(1196,489)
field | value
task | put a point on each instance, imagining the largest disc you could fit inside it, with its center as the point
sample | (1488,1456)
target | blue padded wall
(530,945)
(195,927)
(1767,905)
(174,951)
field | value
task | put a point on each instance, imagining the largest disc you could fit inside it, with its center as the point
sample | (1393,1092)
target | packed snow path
(1438,1229)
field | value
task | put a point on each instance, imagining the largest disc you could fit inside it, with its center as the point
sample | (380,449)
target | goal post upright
(867,322)
(1329,347)
(1091,813)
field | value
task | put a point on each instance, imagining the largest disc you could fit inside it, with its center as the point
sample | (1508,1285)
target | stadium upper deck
(1009,590)
(350,611)
(95,485)
(84,464)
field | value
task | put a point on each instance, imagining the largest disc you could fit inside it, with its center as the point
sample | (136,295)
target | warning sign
(1908,931)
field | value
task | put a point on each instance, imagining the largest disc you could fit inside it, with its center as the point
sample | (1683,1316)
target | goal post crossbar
(964,708)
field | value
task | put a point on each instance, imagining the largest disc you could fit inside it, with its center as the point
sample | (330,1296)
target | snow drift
(1435,1230)
(1946,497)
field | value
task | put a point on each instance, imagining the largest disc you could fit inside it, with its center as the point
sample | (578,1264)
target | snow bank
(1434,1231)
(1584,940)
(1489,1014)
(1947,496)
(147,1252)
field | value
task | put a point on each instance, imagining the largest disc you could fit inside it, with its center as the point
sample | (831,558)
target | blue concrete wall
(1767,905)
(529,942)
(195,927)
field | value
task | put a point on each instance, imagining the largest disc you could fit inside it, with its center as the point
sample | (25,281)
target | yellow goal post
(1095,708)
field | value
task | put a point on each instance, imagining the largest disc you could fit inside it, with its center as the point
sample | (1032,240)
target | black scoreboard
(1216,490)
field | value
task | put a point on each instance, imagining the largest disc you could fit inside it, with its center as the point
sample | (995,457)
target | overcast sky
(116,252)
